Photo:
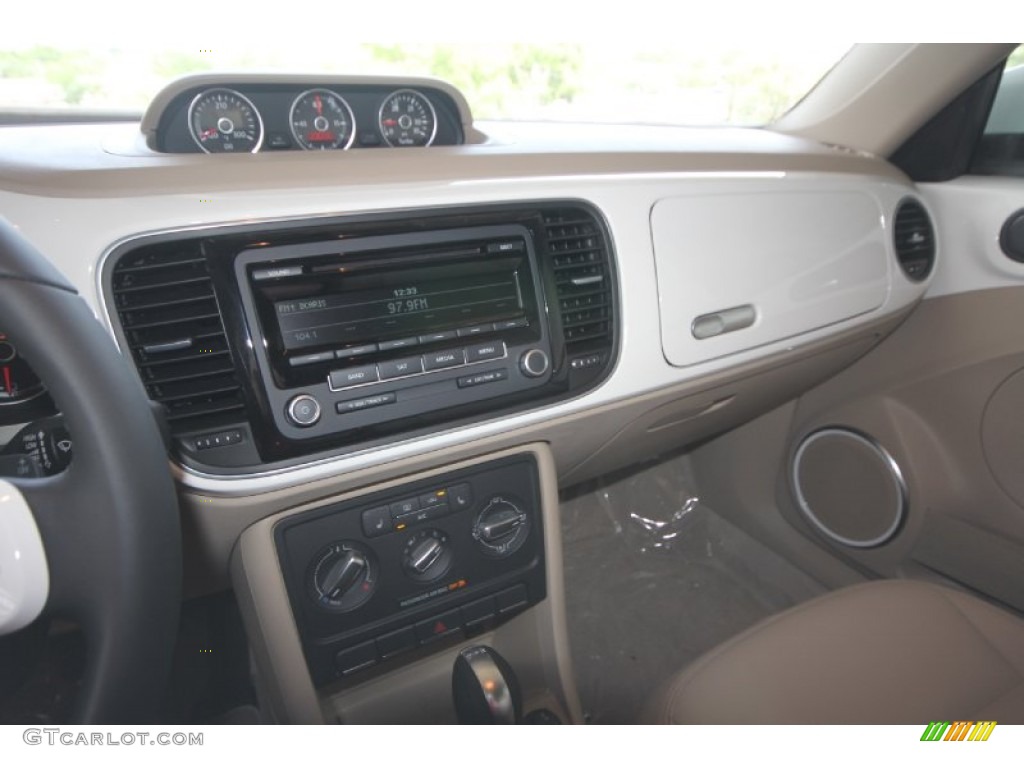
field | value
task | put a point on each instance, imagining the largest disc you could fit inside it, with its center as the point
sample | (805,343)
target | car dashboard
(379,367)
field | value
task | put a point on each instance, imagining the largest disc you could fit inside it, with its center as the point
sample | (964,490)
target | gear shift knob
(485,688)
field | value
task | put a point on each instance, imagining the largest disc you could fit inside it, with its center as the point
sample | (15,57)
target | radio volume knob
(534,363)
(303,410)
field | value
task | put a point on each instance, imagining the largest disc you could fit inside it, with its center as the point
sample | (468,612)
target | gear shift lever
(485,688)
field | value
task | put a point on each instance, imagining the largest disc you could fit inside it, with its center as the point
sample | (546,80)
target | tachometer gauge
(222,120)
(407,119)
(17,381)
(321,119)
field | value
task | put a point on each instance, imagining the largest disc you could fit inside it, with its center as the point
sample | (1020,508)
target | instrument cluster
(240,119)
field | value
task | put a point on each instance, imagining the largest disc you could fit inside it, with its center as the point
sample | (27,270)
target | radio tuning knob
(534,363)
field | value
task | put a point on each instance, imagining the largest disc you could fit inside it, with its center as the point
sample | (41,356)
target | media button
(407,366)
(351,377)
(447,358)
(430,338)
(490,350)
(387,346)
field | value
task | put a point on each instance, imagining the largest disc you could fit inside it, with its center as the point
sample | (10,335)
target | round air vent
(849,487)
(914,238)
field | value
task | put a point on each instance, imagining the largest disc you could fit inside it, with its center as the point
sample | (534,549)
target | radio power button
(303,410)
(534,363)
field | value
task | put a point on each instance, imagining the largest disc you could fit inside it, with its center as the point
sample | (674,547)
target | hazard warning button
(438,626)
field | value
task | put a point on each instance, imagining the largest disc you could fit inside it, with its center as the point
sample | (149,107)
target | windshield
(619,81)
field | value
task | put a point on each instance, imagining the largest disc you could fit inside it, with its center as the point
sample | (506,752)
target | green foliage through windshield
(695,85)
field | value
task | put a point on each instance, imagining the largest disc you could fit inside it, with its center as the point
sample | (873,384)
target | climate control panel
(383,575)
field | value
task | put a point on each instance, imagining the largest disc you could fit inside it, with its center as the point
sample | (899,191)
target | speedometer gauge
(321,119)
(222,120)
(407,119)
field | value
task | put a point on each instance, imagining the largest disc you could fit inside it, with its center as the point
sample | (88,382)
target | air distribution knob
(427,555)
(534,363)
(502,526)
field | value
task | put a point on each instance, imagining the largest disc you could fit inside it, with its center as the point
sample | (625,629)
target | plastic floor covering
(654,578)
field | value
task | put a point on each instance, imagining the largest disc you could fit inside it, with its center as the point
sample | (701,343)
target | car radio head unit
(351,332)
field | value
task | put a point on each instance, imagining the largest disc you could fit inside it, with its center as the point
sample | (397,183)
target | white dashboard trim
(70,226)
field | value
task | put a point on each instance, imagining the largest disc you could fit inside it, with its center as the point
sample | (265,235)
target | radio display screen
(320,302)
(393,304)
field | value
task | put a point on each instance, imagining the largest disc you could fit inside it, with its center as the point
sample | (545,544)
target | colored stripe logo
(961,730)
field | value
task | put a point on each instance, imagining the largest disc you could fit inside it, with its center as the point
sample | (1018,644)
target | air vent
(914,240)
(165,302)
(579,257)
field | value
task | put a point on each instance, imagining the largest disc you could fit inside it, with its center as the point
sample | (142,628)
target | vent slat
(192,412)
(579,259)
(168,311)
(127,266)
(189,390)
(914,240)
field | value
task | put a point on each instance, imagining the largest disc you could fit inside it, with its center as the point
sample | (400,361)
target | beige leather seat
(883,652)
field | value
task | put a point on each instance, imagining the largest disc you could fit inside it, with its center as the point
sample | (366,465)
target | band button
(350,377)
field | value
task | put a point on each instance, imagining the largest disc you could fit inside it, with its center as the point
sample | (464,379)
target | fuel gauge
(407,119)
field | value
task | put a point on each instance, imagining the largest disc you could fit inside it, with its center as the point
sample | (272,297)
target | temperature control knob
(534,363)
(427,556)
(343,577)
(502,527)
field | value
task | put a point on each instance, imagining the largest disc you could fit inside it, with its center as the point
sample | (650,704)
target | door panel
(943,395)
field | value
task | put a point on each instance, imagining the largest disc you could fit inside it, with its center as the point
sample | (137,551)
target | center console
(392,572)
(357,606)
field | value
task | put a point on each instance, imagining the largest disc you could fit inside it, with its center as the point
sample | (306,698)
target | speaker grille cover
(849,487)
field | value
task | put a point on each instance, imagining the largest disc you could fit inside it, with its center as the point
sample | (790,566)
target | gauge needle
(8,387)
(389,122)
(319,104)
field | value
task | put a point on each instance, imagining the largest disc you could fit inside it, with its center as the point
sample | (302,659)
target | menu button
(488,351)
